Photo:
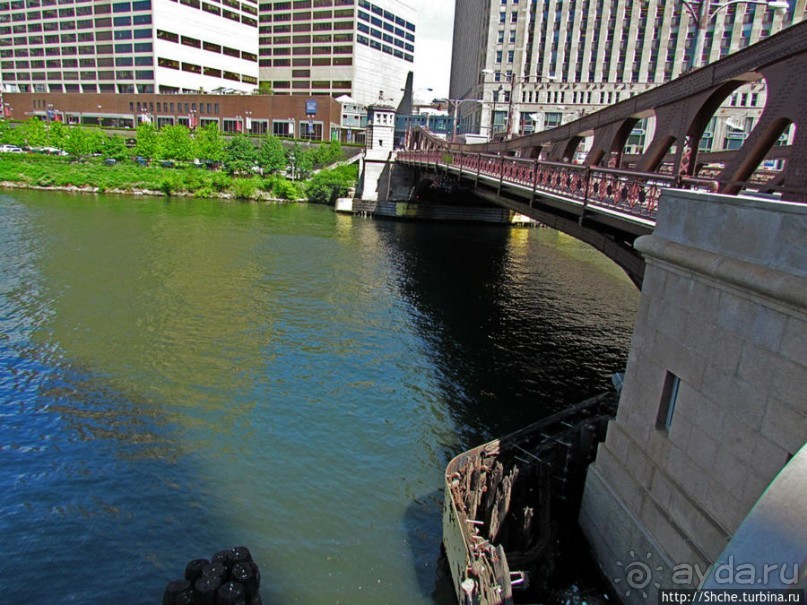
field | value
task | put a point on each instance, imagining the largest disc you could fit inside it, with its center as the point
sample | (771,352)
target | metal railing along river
(628,192)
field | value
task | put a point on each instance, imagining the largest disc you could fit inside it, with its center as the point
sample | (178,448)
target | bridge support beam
(382,180)
(713,405)
(786,93)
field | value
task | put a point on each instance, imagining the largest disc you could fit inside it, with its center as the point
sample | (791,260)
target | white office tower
(337,47)
(128,46)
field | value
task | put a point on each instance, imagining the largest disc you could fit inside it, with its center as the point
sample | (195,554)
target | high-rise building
(138,46)
(535,65)
(337,47)
(306,47)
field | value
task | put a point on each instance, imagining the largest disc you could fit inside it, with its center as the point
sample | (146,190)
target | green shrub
(220,181)
(286,190)
(244,189)
(204,192)
(167,185)
(327,185)
(192,179)
(268,183)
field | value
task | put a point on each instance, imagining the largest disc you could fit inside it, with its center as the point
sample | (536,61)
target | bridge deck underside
(605,228)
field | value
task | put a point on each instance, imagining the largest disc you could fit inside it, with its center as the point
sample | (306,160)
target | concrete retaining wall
(435,212)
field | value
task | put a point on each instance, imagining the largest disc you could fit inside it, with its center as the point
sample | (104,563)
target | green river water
(181,376)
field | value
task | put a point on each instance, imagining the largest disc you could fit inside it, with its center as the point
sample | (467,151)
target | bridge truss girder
(682,110)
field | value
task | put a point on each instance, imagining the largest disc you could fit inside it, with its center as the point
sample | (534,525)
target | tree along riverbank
(164,163)
(93,175)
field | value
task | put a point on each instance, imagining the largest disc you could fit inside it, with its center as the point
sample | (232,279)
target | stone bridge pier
(713,405)
(382,180)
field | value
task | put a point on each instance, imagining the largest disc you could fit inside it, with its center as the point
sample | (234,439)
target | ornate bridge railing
(627,192)
(680,113)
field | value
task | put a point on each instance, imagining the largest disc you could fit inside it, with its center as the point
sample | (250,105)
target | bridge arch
(609,142)
(534,153)
(571,147)
(703,112)
(785,106)
(754,152)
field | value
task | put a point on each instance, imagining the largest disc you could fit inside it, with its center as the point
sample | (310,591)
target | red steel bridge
(610,198)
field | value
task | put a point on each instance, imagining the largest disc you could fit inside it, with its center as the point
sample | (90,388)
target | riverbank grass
(30,170)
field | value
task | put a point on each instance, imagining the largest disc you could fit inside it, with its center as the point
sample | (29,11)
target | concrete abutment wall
(721,339)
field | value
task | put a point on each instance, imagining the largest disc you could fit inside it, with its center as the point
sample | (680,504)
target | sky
(432,66)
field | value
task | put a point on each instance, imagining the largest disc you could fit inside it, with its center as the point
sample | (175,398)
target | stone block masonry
(713,403)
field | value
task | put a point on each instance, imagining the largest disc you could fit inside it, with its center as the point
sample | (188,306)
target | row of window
(312,84)
(363,27)
(67,51)
(170,106)
(323,26)
(377,10)
(81,24)
(66,38)
(375,44)
(559,32)
(204,45)
(203,70)
(88,88)
(245,9)
(280,12)
(89,62)
(307,61)
(78,11)
(239,17)
(284,6)
(39,76)
(119,74)
(386,26)
(282,51)
(308,15)
(305,39)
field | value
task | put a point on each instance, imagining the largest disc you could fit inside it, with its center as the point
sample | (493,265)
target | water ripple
(180,377)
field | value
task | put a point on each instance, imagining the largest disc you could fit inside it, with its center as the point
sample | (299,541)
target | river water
(178,377)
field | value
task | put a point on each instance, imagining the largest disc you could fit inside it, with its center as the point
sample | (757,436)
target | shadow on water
(493,309)
(423,521)
(105,499)
(107,505)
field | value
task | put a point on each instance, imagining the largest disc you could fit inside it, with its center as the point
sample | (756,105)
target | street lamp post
(512,80)
(704,11)
(508,133)
(508,128)
(494,97)
(457,103)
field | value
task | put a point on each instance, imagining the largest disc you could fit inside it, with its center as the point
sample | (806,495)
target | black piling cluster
(229,577)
